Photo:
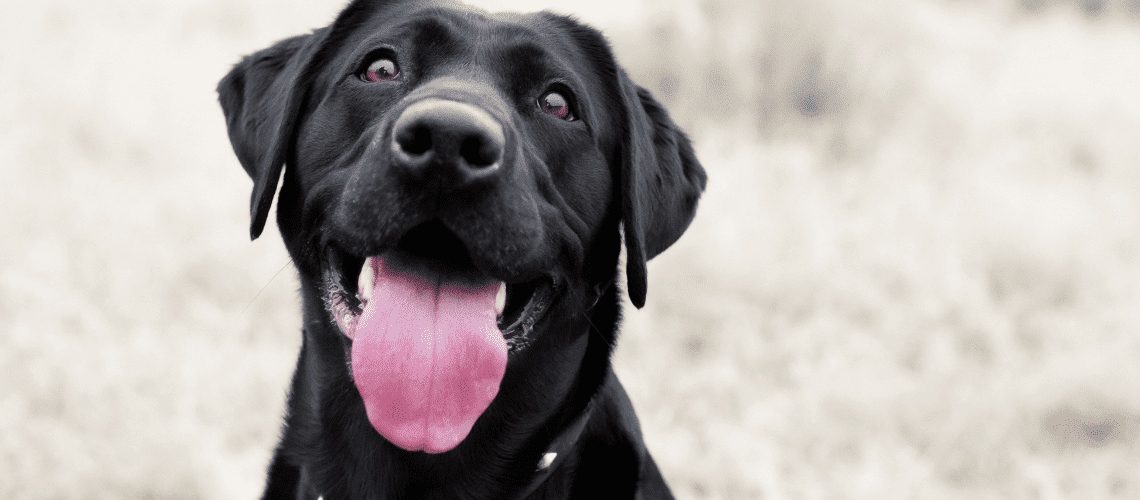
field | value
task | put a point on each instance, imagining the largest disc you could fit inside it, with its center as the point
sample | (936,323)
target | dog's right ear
(263,94)
(260,101)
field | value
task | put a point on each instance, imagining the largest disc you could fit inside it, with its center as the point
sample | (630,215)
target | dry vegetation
(915,274)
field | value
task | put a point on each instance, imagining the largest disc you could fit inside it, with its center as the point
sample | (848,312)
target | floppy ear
(260,98)
(661,181)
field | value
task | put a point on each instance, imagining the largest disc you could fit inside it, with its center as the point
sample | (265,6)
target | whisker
(258,294)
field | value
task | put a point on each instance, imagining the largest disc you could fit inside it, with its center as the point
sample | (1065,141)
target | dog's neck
(559,448)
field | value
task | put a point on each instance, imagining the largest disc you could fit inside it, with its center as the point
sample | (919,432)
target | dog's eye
(381,69)
(557,105)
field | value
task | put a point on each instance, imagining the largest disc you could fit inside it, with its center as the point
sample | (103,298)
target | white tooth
(366,280)
(501,299)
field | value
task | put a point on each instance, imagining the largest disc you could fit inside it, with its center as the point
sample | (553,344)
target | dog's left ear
(259,101)
(661,181)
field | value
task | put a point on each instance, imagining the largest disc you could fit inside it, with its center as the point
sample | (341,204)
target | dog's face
(452,176)
(456,145)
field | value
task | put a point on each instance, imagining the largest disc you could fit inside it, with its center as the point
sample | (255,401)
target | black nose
(450,142)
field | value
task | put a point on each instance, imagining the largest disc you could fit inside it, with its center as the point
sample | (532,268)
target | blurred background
(915,273)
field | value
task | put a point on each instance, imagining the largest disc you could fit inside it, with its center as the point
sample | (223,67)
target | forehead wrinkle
(427,32)
(522,52)
(434,34)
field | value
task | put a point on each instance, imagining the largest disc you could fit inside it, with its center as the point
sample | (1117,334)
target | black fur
(557,207)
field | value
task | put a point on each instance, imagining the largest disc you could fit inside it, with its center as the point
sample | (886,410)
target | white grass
(926,290)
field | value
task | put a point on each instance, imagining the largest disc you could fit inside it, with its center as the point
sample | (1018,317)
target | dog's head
(437,158)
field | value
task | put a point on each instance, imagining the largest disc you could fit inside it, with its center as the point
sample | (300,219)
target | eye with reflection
(381,69)
(556,104)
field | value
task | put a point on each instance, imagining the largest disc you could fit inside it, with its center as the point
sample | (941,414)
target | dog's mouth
(431,250)
(428,333)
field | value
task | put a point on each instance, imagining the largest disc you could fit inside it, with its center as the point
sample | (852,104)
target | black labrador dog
(456,188)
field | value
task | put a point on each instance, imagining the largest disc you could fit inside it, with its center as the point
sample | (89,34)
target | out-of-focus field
(915,273)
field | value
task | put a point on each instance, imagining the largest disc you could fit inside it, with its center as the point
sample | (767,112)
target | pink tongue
(427,357)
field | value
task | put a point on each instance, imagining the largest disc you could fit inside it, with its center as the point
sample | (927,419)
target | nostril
(480,151)
(453,142)
(415,140)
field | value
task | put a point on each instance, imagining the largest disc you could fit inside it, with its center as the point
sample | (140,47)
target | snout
(449,156)
(449,144)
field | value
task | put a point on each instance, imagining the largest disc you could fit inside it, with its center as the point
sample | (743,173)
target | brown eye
(381,69)
(556,104)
